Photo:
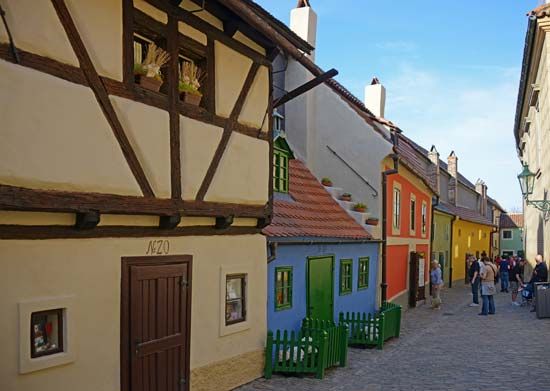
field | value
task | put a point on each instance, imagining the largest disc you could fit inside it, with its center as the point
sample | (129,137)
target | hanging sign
(421,268)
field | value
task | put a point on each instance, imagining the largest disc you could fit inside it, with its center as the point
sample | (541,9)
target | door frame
(125,345)
(332,258)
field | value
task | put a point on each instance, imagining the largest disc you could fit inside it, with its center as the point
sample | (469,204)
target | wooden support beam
(305,87)
(33,232)
(35,200)
(173,103)
(97,86)
(211,76)
(228,129)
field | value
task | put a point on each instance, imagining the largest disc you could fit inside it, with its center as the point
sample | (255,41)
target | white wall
(321,118)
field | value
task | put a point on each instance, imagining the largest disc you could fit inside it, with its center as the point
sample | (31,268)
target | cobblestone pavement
(449,349)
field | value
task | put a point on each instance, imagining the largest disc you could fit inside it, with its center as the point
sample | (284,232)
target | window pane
(234,288)
(46,332)
(234,310)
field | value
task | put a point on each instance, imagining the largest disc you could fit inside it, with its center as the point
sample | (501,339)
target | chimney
(433,170)
(375,97)
(303,21)
(481,189)
(452,166)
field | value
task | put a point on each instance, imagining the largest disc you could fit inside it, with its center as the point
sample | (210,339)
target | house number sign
(158,247)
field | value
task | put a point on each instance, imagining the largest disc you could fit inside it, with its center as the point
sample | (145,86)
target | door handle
(136,346)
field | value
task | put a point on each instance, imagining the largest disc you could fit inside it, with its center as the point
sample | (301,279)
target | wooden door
(320,288)
(413,279)
(157,334)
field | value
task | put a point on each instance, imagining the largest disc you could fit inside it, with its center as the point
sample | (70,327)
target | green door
(320,287)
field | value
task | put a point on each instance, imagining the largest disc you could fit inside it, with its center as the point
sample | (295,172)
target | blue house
(321,261)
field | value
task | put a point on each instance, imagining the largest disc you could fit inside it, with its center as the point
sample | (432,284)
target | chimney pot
(303,21)
(452,166)
(375,97)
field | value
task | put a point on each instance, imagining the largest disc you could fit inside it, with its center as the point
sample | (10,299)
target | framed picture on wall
(46,332)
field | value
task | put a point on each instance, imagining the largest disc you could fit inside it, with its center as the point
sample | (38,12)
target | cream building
(130,219)
(531,127)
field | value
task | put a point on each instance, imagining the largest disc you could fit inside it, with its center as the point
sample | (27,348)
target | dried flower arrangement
(148,73)
(190,82)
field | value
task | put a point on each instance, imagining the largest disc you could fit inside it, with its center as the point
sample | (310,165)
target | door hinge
(182,383)
(184,283)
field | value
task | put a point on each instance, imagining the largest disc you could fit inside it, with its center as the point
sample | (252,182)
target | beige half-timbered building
(130,248)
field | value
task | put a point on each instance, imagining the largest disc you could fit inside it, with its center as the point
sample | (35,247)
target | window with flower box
(283,288)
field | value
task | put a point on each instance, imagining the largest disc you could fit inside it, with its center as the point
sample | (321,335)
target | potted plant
(189,83)
(147,74)
(360,207)
(372,221)
(345,197)
(326,182)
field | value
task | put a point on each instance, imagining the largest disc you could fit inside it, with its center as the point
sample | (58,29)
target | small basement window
(345,276)
(283,288)
(363,277)
(235,298)
(46,332)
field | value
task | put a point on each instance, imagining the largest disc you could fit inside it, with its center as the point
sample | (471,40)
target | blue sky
(451,70)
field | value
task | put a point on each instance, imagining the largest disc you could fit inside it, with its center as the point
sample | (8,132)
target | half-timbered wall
(56,137)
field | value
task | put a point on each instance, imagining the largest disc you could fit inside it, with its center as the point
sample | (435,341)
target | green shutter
(363,276)
(346,274)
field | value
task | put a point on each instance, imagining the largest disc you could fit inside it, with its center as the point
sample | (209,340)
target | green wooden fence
(316,347)
(373,330)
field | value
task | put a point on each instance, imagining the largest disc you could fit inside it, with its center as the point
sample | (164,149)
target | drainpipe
(385,175)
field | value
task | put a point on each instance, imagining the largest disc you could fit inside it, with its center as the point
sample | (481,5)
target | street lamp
(527,182)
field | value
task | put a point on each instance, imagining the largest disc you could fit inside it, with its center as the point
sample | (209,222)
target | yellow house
(132,199)
(468,238)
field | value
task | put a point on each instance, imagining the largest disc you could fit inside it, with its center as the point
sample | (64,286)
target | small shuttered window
(280,170)
(346,275)
(363,276)
(283,288)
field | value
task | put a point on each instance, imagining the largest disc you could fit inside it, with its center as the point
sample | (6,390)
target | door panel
(156,296)
(320,288)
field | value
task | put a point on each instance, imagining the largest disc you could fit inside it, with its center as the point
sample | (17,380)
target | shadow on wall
(540,236)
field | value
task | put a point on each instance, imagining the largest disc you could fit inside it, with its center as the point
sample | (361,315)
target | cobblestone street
(450,349)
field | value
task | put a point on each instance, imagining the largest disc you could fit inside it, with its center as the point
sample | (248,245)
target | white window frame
(396,209)
(511,234)
(412,215)
(424,219)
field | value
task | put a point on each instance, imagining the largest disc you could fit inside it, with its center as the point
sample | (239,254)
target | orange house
(408,225)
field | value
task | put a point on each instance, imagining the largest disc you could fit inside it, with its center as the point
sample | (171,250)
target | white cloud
(473,116)
(398,46)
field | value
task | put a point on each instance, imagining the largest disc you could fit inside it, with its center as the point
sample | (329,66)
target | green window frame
(280,170)
(346,276)
(363,273)
(283,288)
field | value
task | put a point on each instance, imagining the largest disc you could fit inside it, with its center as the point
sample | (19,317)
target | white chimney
(303,21)
(375,97)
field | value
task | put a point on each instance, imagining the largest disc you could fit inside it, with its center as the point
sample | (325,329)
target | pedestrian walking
(504,274)
(437,284)
(516,280)
(488,289)
(475,280)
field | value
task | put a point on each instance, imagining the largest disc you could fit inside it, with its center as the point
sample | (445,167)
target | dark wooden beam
(230,27)
(173,103)
(220,150)
(35,200)
(208,29)
(87,220)
(305,87)
(97,86)
(127,42)
(20,232)
(211,76)
(224,222)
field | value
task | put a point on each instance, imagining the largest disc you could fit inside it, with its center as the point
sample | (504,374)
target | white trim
(241,326)
(396,229)
(26,308)
(412,230)
(511,234)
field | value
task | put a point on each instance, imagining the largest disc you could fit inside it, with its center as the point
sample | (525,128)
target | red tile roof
(311,211)
(464,213)
(511,220)
(416,161)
